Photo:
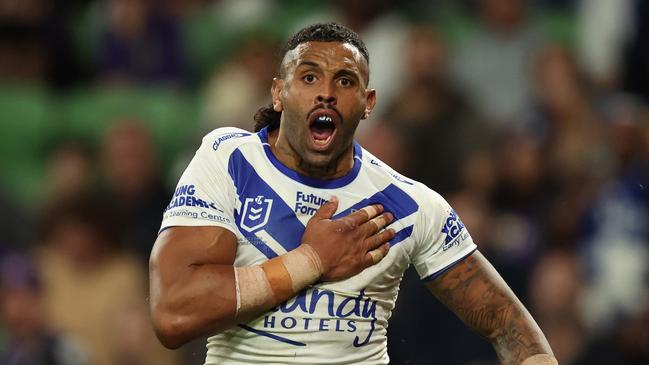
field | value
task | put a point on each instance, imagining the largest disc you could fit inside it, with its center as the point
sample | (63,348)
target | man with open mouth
(287,246)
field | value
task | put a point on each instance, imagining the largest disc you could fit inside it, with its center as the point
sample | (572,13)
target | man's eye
(309,79)
(344,82)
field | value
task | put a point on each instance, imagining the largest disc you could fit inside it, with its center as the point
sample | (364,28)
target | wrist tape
(268,284)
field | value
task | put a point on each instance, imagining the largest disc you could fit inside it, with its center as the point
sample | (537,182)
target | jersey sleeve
(205,194)
(442,239)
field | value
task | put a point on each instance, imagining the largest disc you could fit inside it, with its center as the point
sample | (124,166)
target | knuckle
(372,228)
(372,242)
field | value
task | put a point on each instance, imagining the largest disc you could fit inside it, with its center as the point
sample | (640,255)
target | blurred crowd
(530,117)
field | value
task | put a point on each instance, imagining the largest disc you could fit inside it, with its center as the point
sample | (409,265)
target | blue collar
(306,180)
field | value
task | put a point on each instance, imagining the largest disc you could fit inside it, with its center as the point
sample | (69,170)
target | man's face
(322,96)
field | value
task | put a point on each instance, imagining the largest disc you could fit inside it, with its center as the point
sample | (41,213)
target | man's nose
(327,95)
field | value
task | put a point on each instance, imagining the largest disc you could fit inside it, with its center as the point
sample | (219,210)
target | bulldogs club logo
(256,212)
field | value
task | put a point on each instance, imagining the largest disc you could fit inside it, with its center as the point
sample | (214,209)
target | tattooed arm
(481,298)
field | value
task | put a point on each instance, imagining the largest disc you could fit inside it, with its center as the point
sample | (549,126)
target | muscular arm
(192,288)
(477,294)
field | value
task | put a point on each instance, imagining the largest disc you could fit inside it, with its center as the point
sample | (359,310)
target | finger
(380,238)
(363,215)
(375,256)
(376,224)
(327,209)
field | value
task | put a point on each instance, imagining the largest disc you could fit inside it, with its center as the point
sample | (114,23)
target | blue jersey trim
(271,335)
(164,229)
(306,180)
(395,201)
(439,273)
(402,235)
(282,223)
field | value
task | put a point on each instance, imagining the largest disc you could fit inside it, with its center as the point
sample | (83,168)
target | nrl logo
(256,212)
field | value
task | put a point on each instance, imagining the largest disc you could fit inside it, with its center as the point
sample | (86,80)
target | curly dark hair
(320,32)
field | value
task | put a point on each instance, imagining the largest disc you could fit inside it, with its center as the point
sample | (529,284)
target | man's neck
(283,151)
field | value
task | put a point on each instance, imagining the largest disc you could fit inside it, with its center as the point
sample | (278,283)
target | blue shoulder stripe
(395,201)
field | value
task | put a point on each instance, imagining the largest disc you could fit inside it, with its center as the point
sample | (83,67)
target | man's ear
(276,91)
(371,101)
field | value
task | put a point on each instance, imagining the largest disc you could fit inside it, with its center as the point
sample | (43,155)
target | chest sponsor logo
(322,310)
(308,203)
(255,213)
(454,231)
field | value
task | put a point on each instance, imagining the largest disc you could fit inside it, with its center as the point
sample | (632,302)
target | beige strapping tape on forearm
(253,289)
(540,359)
(303,265)
(262,286)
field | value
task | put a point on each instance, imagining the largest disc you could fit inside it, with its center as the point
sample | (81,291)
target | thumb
(327,210)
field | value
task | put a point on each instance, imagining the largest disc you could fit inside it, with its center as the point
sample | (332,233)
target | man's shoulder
(423,195)
(228,137)
(224,141)
(377,169)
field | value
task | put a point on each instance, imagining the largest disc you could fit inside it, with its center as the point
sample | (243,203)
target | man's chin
(319,159)
(318,163)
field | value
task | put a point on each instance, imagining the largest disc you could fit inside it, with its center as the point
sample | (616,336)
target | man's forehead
(339,51)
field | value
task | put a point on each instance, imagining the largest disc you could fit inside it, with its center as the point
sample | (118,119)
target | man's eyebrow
(307,63)
(348,72)
(354,74)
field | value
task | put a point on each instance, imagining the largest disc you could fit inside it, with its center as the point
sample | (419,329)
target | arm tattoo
(480,297)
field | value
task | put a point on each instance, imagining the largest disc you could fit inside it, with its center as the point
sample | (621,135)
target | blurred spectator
(141,44)
(236,90)
(520,205)
(30,340)
(93,290)
(494,65)
(70,171)
(575,152)
(574,137)
(604,29)
(615,242)
(133,184)
(16,224)
(35,43)
(24,48)
(555,290)
(243,15)
(636,55)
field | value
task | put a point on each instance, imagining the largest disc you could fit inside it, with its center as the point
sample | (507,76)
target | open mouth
(323,128)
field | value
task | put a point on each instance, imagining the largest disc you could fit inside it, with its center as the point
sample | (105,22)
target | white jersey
(234,181)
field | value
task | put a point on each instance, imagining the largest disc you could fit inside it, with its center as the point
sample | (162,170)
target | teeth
(324,118)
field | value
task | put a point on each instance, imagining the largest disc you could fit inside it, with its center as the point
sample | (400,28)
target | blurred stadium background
(530,117)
